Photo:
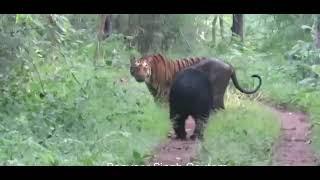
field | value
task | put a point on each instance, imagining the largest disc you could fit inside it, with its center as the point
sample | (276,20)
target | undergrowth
(283,83)
(242,134)
(67,100)
(69,112)
(283,87)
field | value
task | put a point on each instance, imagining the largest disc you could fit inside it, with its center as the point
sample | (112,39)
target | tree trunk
(150,39)
(104,31)
(214,21)
(105,28)
(132,30)
(237,25)
(318,31)
(146,33)
(221,26)
(120,23)
(133,23)
(116,26)
(51,29)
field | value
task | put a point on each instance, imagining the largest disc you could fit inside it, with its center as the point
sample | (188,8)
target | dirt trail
(177,152)
(293,147)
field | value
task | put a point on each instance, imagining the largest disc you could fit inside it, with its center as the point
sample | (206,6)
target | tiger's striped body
(159,72)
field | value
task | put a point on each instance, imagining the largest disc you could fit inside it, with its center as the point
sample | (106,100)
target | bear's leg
(178,121)
(200,122)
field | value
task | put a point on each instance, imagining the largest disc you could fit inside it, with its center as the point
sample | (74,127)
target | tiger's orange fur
(163,71)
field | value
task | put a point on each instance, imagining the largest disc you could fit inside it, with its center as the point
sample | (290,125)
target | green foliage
(243,134)
(280,49)
(67,99)
(58,109)
(277,33)
(106,124)
(287,83)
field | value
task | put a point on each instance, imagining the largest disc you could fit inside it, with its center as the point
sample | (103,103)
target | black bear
(190,94)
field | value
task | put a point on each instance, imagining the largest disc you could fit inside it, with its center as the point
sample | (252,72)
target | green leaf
(316,69)
(125,134)
(136,155)
(304,27)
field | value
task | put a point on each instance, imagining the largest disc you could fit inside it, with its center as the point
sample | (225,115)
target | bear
(190,94)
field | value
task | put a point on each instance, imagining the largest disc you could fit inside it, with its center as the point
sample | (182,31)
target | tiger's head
(140,69)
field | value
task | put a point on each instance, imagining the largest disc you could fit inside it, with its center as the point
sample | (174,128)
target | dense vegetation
(67,98)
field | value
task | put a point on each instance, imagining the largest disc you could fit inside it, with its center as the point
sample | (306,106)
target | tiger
(158,73)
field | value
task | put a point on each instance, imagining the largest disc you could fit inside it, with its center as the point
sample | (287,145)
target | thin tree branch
(189,47)
(41,83)
(75,78)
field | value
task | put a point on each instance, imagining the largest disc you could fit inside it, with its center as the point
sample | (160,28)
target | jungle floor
(293,147)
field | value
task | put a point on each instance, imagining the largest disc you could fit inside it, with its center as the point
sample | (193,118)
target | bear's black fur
(190,94)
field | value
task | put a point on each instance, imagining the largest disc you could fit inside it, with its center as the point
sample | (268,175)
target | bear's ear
(132,59)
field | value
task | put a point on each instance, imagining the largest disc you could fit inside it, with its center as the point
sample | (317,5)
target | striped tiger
(158,72)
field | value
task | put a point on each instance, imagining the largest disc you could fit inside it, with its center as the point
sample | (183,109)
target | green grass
(96,118)
(110,122)
(243,134)
(280,86)
(114,121)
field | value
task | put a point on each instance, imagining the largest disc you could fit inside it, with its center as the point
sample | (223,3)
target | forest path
(177,152)
(293,147)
